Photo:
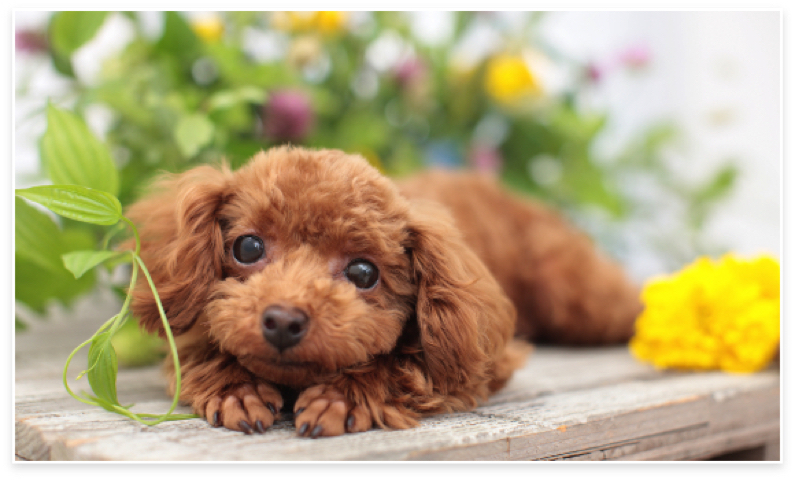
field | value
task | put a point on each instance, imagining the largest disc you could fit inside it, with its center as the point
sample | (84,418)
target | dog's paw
(245,408)
(322,411)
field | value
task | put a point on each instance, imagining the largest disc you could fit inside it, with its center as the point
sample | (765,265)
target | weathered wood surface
(566,404)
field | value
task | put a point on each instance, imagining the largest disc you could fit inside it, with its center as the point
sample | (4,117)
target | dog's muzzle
(284,326)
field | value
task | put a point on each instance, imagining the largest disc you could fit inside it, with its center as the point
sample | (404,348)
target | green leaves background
(164,116)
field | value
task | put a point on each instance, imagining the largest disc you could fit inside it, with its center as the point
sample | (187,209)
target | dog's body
(309,271)
(564,289)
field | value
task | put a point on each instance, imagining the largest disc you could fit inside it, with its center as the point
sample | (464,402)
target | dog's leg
(225,393)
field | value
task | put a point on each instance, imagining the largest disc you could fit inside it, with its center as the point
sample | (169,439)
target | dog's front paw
(244,408)
(323,411)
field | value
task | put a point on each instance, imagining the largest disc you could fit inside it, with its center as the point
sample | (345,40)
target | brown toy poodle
(308,278)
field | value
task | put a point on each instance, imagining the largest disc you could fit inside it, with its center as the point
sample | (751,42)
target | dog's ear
(464,318)
(181,245)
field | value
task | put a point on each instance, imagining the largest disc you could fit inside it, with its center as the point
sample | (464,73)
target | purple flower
(485,159)
(30,41)
(410,71)
(288,116)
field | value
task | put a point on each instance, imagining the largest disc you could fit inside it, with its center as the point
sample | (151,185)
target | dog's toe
(358,420)
(324,412)
(244,409)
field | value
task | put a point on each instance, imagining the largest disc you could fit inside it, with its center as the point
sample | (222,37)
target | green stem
(169,335)
(137,237)
(114,323)
(126,305)
(66,368)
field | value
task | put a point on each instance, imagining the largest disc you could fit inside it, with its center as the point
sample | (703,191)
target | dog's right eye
(362,273)
(248,249)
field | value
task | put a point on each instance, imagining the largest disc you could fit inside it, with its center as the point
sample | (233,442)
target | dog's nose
(283,326)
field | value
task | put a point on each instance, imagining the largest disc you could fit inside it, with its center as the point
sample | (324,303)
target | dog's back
(564,289)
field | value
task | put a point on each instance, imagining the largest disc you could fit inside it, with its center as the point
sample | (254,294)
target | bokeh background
(659,133)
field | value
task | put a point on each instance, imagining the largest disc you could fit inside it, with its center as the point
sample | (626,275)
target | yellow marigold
(508,78)
(711,315)
(209,29)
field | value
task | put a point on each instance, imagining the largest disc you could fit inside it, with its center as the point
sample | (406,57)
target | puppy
(308,281)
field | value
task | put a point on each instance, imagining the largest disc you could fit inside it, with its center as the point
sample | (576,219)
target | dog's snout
(284,326)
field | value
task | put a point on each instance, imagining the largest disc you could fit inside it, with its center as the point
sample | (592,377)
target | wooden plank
(565,404)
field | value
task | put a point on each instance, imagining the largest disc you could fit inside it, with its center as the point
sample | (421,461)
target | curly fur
(434,334)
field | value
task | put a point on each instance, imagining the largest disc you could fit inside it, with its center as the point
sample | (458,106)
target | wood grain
(565,404)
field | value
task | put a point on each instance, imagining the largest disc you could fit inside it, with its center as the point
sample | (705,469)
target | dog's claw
(317,431)
(216,419)
(349,422)
(272,408)
(246,427)
(303,429)
(259,426)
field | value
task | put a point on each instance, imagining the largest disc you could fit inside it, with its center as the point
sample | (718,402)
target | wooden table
(566,404)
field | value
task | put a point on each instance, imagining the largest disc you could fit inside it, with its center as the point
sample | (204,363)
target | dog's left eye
(362,273)
(248,249)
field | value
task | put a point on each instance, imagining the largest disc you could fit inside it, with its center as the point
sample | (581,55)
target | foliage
(79,202)
(227,85)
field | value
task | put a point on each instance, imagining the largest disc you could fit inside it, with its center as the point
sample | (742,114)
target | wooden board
(566,404)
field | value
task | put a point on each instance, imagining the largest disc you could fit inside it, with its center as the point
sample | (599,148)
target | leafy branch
(86,192)
(101,208)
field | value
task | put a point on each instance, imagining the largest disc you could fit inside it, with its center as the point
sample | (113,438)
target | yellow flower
(330,22)
(323,22)
(210,29)
(508,78)
(711,315)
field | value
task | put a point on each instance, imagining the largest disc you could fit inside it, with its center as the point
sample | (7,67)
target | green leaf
(80,262)
(230,98)
(78,203)
(109,406)
(252,94)
(178,37)
(223,100)
(718,186)
(236,69)
(72,155)
(103,368)
(62,64)
(192,133)
(37,287)
(71,30)
(36,237)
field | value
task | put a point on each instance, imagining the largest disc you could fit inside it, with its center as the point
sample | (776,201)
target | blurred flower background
(657,132)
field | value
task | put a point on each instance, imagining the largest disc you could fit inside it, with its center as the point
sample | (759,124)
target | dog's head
(306,262)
